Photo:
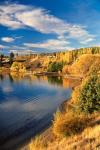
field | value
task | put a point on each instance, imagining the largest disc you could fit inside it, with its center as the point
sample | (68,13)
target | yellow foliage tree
(83,64)
(18,67)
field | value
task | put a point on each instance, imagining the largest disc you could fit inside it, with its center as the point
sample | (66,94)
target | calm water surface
(27,105)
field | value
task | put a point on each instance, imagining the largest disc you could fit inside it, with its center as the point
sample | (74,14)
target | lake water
(27,105)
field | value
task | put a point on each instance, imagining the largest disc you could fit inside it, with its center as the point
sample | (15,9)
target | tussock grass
(70,123)
(38,143)
(88,139)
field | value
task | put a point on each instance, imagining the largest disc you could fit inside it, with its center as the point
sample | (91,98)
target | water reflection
(57,80)
(1,77)
(11,78)
(27,104)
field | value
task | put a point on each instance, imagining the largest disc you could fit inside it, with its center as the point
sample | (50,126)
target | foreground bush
(89,97)
(69,124)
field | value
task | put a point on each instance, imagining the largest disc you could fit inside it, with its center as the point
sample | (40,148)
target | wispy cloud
(17,16)
(3,47)
(52,44)
(22,51)
(7,15)
(7,39)
(18,47)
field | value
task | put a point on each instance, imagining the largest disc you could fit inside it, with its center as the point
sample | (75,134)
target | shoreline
(54,74)
(47,132)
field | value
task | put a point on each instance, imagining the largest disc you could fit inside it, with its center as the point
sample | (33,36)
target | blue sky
(49,25)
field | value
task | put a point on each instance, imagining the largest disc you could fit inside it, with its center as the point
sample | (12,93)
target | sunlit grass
(88,139)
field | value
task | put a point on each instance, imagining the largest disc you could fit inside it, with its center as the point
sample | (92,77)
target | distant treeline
(70,56)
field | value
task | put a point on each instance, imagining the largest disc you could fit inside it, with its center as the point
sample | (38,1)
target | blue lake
(27,105)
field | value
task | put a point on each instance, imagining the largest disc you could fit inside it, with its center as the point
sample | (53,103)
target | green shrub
(89,98)
(55,66)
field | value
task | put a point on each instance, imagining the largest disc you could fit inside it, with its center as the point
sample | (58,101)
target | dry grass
(88,139)
(38,144)
(70,123)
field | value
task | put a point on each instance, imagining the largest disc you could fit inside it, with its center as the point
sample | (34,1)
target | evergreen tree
(11,58)
(89,98)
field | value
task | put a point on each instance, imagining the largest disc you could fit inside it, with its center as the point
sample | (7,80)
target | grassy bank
(87,139)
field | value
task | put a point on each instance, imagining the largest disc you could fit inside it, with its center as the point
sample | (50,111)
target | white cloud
(3,47)
(7,39)
(81,34)
(40,20)
(7,15)
(18,47)
(51,44)
(22,52)
(17,16)
(87,40)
